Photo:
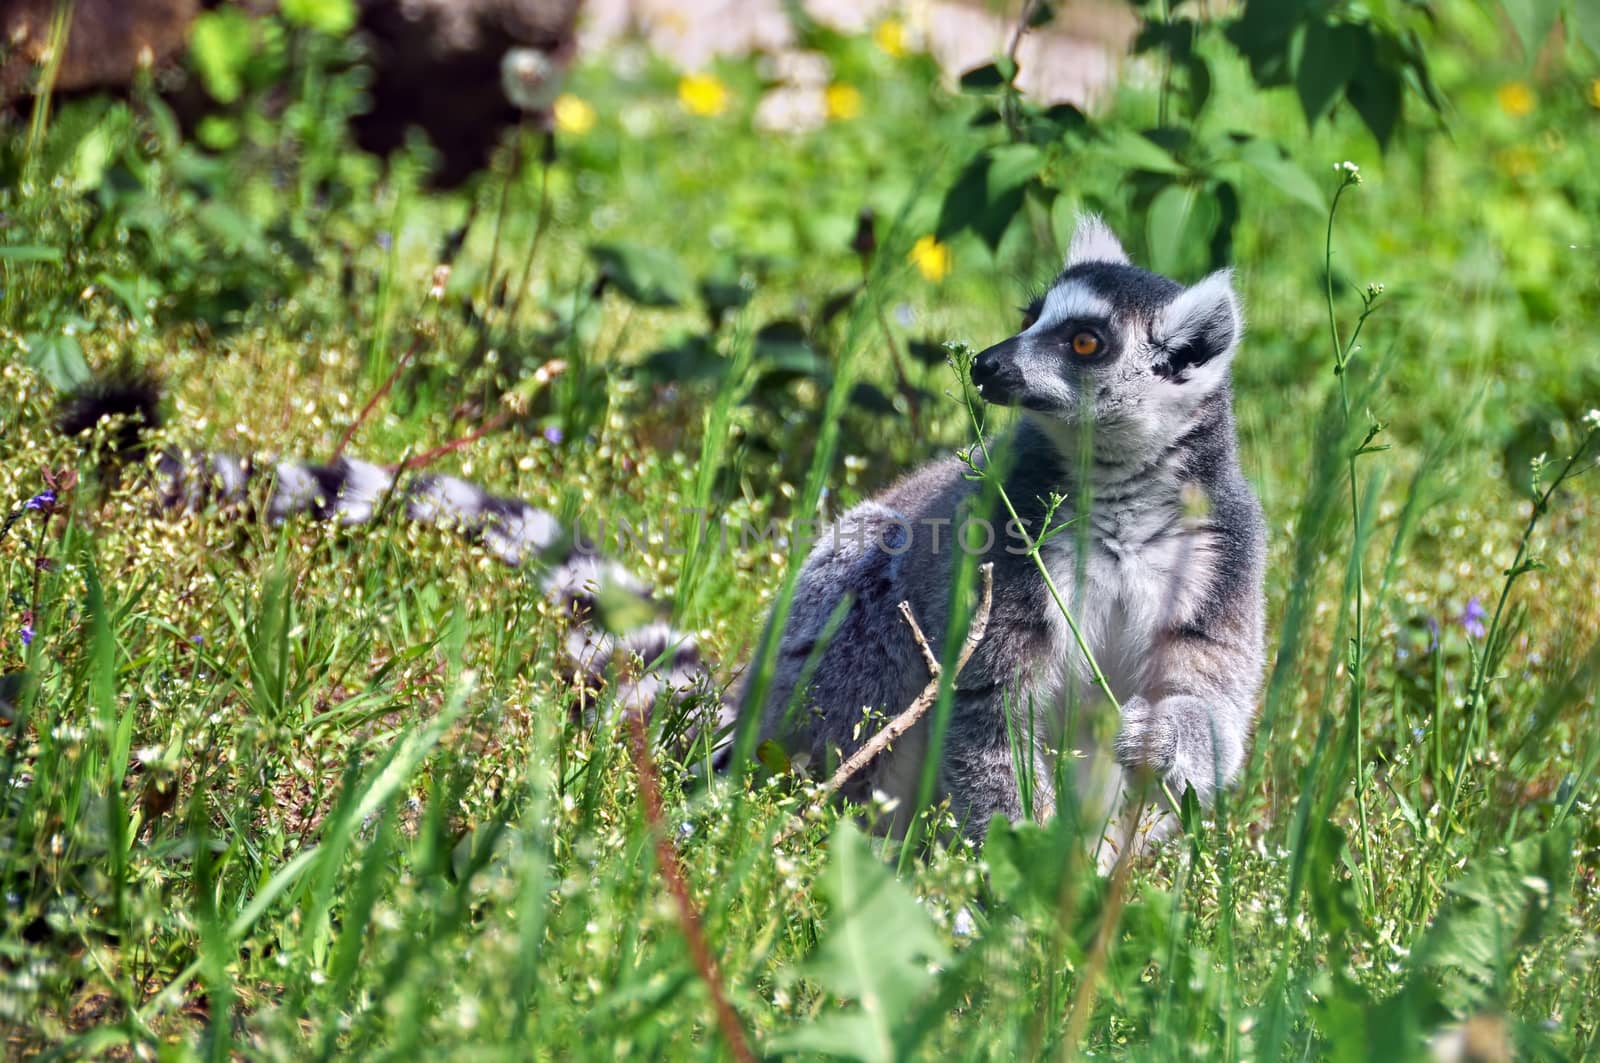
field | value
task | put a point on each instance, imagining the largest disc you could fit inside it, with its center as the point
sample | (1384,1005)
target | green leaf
(1180,220)
(647,275)
(333,17)
(138,293)
(988,207)
(1376,94)
(620,609)
(1010,167)
(874,957)
(772,757)
(1327,58)
(1533,20)
(966,198)
(1273,164)
(1025,866)
(1136,151)
(692,360)
(1583,18)
(873,399)
(58,358)
(30,253)
(221,43)
(989,76)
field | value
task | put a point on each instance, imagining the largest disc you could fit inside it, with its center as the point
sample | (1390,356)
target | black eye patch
(1082,341)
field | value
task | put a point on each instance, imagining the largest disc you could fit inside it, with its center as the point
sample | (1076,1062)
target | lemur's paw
(1147,740)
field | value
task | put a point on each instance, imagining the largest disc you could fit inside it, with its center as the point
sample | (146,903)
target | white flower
(1592,419)
(963,925)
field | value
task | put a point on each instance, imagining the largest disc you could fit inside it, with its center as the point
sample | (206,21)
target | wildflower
(441,277)
(573,115)
(1433,634)
(890,37)
(1515,98)
(385,241)
(703,94)
(931,258)
(1373,291)
(963,925)
(1472,618)
(27,635)
(842,101)
(1592,419)
(1349,171)
(553,436)
(549,370)
(42,501)
(1594,93)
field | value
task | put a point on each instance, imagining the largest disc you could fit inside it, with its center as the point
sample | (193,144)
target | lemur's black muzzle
(996,374)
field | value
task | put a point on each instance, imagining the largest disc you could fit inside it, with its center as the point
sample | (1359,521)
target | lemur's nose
(995,373)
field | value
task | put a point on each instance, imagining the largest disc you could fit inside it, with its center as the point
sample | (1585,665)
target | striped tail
(648,664)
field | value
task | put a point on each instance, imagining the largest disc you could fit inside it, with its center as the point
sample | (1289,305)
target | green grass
(301,792)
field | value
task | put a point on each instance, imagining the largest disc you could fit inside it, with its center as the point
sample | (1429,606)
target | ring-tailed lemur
(1170,603)
(650,661)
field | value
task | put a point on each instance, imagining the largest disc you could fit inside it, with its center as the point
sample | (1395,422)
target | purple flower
(43,500)
(1472,618)
(553,436)
(385,241)
(27,635)
(1433,634)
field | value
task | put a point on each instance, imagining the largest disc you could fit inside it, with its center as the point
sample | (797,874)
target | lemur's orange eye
(1085,344)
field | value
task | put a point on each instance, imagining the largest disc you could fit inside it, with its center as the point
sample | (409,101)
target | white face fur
(1134,351)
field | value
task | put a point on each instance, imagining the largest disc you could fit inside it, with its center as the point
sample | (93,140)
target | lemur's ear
(1199,330)
(1092,241)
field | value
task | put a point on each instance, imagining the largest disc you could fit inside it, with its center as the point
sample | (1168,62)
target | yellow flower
(1516,98)
(1594,93)
(703,94)
(890,36)
(931,258)
(573,114)
(843,101)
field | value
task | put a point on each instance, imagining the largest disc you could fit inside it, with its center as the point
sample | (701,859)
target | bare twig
(377,396)
(426,457)
(918,707)
(1088,983)
(688,918)
(922,640)
(1023,20)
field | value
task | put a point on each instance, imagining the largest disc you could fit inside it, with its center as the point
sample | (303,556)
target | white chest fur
(1142,571)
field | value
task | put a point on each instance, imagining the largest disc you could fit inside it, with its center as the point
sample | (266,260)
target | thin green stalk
(512,166)
(1342,355)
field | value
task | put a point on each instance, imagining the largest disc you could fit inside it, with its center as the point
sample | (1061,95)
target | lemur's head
(1132,350)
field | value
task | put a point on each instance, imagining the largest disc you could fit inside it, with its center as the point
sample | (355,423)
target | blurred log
(108,42)
(436,64)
